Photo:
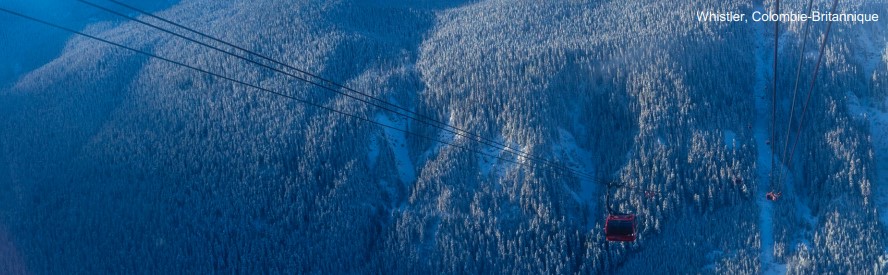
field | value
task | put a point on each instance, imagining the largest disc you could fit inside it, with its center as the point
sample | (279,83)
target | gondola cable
(409,114)
(823,44)
(527,163)
(254,86)
(773,144)
(795,90)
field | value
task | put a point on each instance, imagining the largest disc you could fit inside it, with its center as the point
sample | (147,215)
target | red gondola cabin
(773,196)
(620,228)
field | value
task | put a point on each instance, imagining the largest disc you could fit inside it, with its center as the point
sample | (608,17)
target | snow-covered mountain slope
(873,110)
(830,222)
(114,162)
(879,130)
(27,46)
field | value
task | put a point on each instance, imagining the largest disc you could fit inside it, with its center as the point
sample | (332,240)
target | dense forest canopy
(115,162)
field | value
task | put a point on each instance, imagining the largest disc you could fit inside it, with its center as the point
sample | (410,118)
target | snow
(397,141)
(580,160)
(878,122)
(870,48)
(878,119)
(488,163)
(567,151)
(711,259)
(373,151)
(769,265)
(879,128)
(730,138)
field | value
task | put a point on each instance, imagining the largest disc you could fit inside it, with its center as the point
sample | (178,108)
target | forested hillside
(113,162)
(27,46)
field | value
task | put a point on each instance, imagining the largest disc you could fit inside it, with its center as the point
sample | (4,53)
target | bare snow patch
(491,161)
(373,151)
(730,138)
(579,160)
(397,141)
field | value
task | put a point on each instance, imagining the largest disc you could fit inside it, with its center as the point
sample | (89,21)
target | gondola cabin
(620,228)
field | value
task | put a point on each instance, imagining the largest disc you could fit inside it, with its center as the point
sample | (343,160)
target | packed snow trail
(763,68)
